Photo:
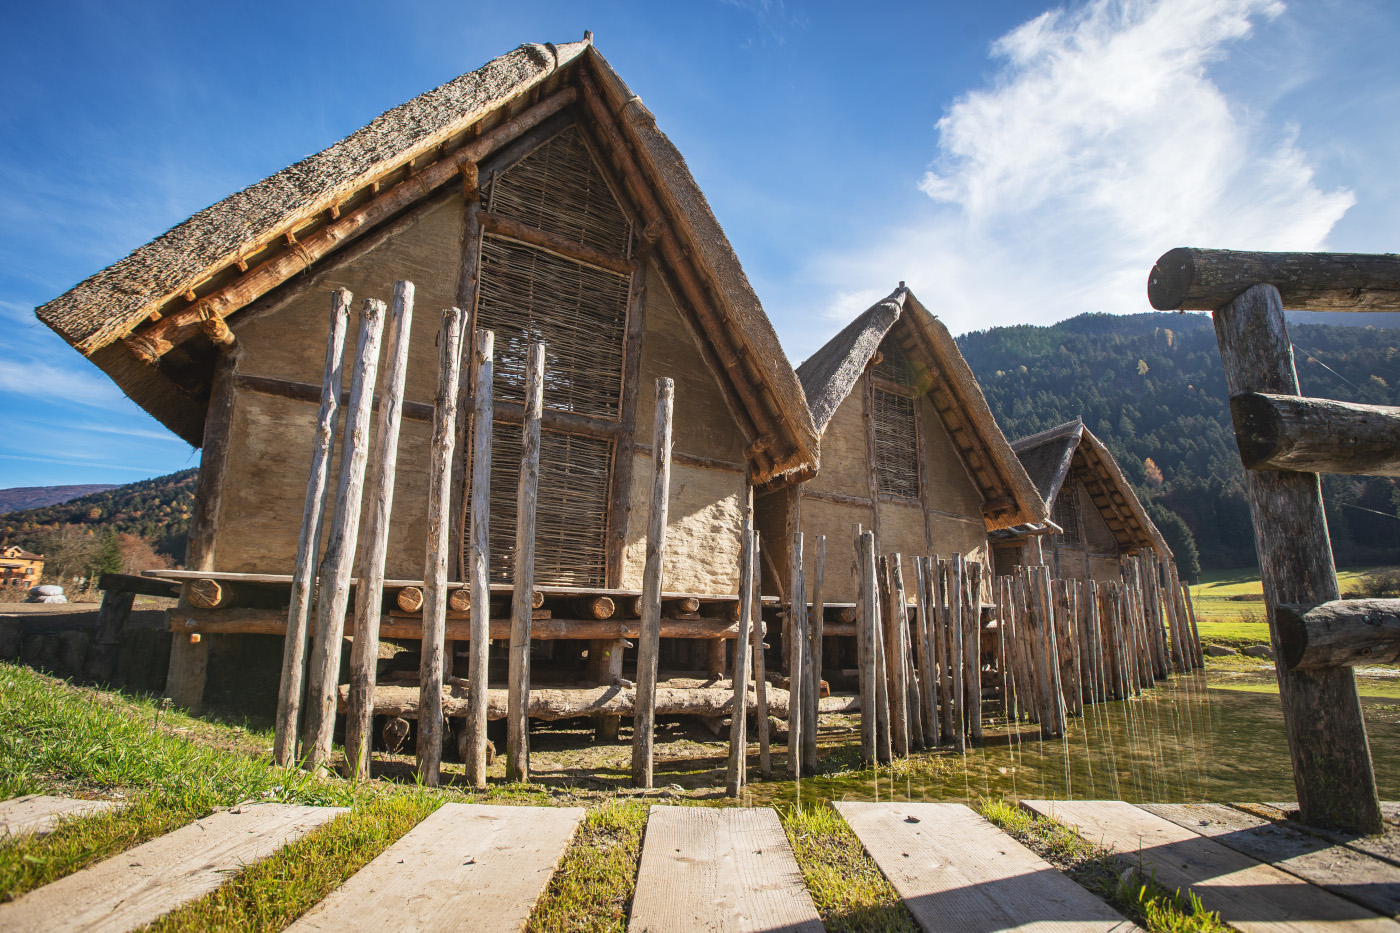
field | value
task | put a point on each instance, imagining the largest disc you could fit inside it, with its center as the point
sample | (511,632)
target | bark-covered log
(1340,633)
(1315,435)
(1191,279)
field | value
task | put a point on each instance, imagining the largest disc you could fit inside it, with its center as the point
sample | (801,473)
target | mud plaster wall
(270,443)
(950,489)
(702,529)
(701,423)
(844,466)
(836,520)
(1096,531)
(771,514)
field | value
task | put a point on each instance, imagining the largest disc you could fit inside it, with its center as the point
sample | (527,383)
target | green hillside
(1151,387)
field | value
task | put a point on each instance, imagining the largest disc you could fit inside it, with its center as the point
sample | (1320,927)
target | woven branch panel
(558,188)
(571,513)
(1065,512)
(580,313)
(896,445)
(896,366)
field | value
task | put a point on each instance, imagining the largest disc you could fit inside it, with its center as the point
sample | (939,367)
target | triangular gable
(1047,456)
(144,319)
(937,368)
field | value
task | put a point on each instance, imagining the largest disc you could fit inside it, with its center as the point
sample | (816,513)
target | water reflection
(1179,742)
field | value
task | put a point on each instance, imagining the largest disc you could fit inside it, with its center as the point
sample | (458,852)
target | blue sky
(1015,162)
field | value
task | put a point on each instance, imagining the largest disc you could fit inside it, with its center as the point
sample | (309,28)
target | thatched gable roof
(830,374)
(202,256)
(1071,450)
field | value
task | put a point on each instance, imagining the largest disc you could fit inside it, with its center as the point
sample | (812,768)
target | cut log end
(205,594)
(460,600)
(1170,279)
(410,599)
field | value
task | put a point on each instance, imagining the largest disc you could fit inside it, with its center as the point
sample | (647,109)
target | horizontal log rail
(153,342)
(1340,633)
(560,246)
(1314,435)
(1189,279)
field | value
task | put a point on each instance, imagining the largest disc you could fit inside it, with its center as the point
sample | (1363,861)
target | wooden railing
(1285,441)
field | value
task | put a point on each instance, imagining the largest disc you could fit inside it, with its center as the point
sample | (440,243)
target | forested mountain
(1151,387)
(36,497)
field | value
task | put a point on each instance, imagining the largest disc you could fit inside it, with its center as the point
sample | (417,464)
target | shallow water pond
(1179,742)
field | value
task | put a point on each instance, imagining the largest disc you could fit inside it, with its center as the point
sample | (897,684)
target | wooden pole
(944,641)
(523,593)
(438,549)
(958,662)
(866,625)
(289,692)
(974,652)
(928,677)
(374,543)
(811,686)
(1191,617)
(796,633)
(897,640)
(760,673)
(649,644)
(338,561)
(479,559)
(1208,279)
(738,722)
(1321,709)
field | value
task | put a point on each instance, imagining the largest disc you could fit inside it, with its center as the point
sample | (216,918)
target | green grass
(847,886)
(592,889)
(1101,871)
(1212,595)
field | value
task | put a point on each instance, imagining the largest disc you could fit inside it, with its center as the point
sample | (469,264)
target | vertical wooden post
(974,654)
(866,625)
(649,644)
(523,585)
(958,662)
(479,559)
(738,721)
(928,677)
(439,545)
(813,668)
(884,691)
(374,543)
(796,633)
(760,672)
(336,565)
(898,642)
(1321,709)
(290,690)
(944,641)
(1191,617)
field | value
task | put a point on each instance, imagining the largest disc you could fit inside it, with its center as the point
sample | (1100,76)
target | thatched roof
(1071,450)
(830,374)
(211,249)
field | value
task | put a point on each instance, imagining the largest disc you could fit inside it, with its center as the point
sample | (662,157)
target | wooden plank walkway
(1385,846)
(957,872)
(722,870)
(465,867)
(132,889)
(1250,895)
(36,814)
(1344,871)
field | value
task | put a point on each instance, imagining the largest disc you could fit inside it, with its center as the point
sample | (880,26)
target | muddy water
(1179,742)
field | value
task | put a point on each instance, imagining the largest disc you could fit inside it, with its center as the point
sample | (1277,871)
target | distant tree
(109,555)
(1154,473)
(1179,538)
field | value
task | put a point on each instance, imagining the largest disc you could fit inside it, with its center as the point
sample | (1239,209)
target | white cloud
(1101,142)
(46,381)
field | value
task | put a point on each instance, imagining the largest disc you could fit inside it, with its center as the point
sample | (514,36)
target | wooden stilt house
(910,451)
(537,194)
(1101,519)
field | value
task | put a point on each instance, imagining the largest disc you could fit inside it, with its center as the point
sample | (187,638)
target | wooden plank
(465,867)
(720,870)
(1384,845)
(130,890)
(1353,875)
(38,814)
(957,872)
(1249,895)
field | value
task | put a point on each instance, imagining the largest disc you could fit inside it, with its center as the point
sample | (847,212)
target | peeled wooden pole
(896,649)
(517,719)
(797,636)
(957,662)
(928,677)
(374,543)
(439,547)
(290,689)
(866,624)
(1191,618)
(649,644)
(973,647)
(943,643)
(738,722)
(760,674)
(479,559)
(338,562)
(812,667)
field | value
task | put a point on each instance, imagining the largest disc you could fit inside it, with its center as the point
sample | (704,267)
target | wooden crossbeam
(1315,435)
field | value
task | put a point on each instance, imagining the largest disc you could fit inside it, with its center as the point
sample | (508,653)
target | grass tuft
(593,887)
(849,891)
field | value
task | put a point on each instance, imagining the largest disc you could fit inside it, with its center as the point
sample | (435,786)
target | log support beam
(1340,633)
(1315,435)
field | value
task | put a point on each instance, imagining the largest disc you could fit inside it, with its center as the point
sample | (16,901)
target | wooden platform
(956,872)
(35,814)
(721,870)
(130,890)
(1249,894)
(465,867)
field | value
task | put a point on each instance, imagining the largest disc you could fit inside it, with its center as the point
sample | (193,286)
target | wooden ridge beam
(1339,633)
(153,342)
(1191,279)
(1314,435)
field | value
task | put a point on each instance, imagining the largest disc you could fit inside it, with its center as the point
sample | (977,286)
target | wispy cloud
(772,18)
(37,379)
(1101,142)
(149,471)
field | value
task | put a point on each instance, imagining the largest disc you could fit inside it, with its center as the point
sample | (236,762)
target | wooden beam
(1208,279)
(512,229)
(478,567)
(737,771)
(517,724)
(649,642)
(1314,435)
(1340,633)
(1321,709)
(159,338)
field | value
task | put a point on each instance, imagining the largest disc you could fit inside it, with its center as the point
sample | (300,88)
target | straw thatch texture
(1047,456)
(829,375)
